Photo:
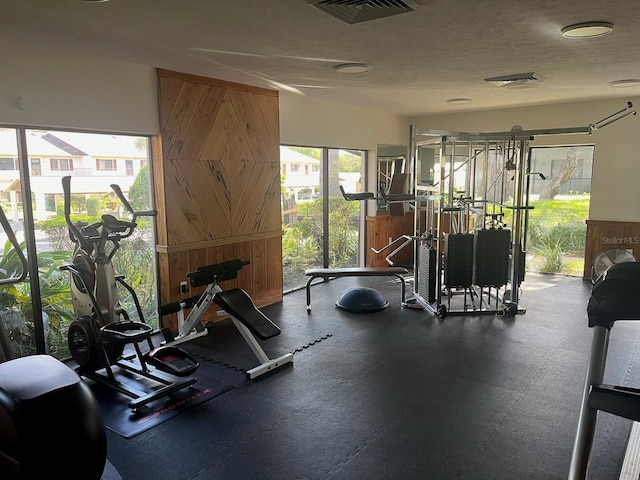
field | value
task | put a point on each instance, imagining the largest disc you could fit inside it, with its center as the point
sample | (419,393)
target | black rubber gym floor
(397,394)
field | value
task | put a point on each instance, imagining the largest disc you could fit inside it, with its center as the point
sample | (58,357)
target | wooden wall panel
(606,235)
(217,183)
(198,207)
(264,285)
(382,230)
(255,198)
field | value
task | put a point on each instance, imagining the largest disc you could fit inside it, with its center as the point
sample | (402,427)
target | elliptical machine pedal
(173,360)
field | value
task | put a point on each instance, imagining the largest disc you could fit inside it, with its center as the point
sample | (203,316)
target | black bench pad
(238,303)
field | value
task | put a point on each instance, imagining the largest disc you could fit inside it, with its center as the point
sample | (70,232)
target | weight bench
(327,273)
(251,323)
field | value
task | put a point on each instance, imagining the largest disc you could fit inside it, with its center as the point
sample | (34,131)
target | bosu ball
(362,300)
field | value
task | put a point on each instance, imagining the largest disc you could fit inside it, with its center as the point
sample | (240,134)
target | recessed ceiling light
(459,101)
(352,68)
(587,30)
(629,82)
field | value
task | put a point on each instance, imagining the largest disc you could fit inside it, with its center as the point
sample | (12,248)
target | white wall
(310,122)
(615,186)
(73,91)
(76,92)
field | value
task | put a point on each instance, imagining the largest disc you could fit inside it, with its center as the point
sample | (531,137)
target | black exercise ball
(362,300)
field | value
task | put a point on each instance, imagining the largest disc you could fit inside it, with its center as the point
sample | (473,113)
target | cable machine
(471,215)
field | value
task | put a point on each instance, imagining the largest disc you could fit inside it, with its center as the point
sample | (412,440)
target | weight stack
(427,268)
(458,260)
(491,268)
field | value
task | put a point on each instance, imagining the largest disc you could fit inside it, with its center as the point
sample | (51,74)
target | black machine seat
(238,303)
(34,376)
(48,415)
(356,196)
(614,296)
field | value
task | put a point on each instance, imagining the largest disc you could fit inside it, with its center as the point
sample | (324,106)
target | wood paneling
(606,235)
(216,167)
(381,230)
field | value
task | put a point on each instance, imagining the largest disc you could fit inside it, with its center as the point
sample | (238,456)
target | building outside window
(61,164)
(106,164)
(8,163)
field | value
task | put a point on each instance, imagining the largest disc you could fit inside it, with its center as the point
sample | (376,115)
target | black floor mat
(122,420)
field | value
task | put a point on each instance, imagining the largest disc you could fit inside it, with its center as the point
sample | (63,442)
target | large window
(36,312)
(560,187)
(321,229)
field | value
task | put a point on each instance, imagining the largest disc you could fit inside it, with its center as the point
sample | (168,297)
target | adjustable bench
(327,273)
(252,323)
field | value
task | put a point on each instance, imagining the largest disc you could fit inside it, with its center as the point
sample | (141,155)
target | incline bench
(327,273)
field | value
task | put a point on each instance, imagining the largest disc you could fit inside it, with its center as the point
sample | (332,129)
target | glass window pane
(346,168)
(560,186)
(304,210)
(91,197)
(16,315)
(302,207)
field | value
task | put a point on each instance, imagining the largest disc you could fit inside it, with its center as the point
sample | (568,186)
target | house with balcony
(53,155)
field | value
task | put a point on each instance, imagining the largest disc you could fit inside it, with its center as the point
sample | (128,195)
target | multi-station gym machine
(471,207)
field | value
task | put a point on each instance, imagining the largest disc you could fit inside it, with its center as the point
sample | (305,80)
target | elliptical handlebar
(109,228)
(76,235)
(16,246)
(129,207)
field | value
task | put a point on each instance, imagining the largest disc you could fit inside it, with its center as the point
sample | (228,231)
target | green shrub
(557,231)
(93,207)
(57,230)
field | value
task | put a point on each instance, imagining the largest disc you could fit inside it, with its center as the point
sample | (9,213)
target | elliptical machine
(46,412)
(103,340)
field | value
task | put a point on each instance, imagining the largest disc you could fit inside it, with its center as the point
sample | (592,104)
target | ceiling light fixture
(352,68)
(459,101)
(629,82)
(587,30)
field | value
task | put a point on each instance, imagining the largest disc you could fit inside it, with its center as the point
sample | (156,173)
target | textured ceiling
(442,50)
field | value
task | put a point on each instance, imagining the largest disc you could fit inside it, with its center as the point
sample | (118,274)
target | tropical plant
(16,304)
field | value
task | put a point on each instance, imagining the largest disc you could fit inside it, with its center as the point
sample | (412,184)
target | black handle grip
(175,307)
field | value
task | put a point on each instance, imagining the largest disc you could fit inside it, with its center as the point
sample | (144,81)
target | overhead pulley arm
(517,133)
(614,117)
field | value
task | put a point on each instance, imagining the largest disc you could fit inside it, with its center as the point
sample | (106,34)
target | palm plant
(17,308)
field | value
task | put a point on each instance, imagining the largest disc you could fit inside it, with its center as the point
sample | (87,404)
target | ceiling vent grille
(518,79)
(357,11)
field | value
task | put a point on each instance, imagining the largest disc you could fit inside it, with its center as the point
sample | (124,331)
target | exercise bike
(47,413)
(108,347)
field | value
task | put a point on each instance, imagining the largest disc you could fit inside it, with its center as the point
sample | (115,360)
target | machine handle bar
(16,245)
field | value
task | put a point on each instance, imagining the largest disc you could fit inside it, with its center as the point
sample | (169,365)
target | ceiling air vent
(518,79)
(357,11)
